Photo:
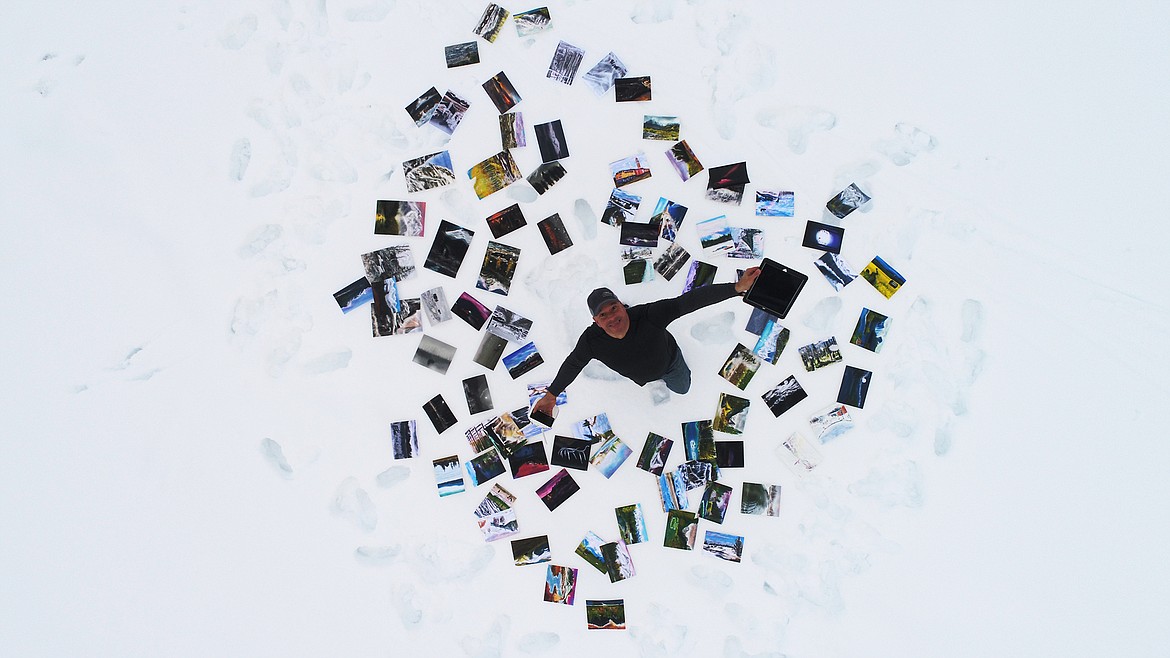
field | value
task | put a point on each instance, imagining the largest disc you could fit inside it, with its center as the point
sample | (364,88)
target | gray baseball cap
(599,298)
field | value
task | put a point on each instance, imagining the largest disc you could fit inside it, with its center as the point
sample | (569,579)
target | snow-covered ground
(195,455)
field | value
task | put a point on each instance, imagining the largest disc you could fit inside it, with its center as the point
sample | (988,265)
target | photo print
(557,490)
(798,453)
(740,367)
(428,172)
(746,243)
(631,524)
(590,550)
(421,108)
(594,429)
(672,490)
(773,339)
(470,311)
(448,475)
(503,94)
(528,23)
(639,234)
(448,113)
(729,454)
(636,89)
(560,583)
(760,499)
(611,454)
(512,130)
(354,295)
(823,237)
(698,439)
(683,159)
(434,354)
(671,261)
(523,360)
(820,354)
(629,170)
(716,500)
(537,390)
(635,253)
(532,550)
(621,207)
(509,325)
(605,614)
(528,459)
(701,274)
(637,271)
(434,304)
(618,563)
(775,203)
(404,218)
(556,237)
(715,236)
(396,262)
(758,321)
(546,175)
(830,422)
(846,201)
(725,184)
(870,331)
(603,74)
(669,216)
(479,397)
(440,414)
(854,387)
(882,277)
(491,22)
(550,138)
(784,396)
(499,266)
(660,128)
(565,62)
(387,322)
(461,54)
(837,272)
(723,546)
(448,249)
(695,473)
(478,438)
(495,516)
(491,348)
(505,433)
(505,221)
(404,439)
(493,174)
(681,529)
(484,467)
(731,415)
(571,453)
(654,453)
(385,295)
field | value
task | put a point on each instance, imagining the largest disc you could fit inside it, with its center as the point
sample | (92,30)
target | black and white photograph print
(406,218)
(732,194)
(388,322)
(421,108)
(491,22)
(448,249)
(499,266)
(565,62)
(461,54)
(503,94)
(636,253)
(820,354)
(760,499)
(434,354)
(471,311)
(355,294)
(557,490)
(395,262)
(632,89)
(571,453)
(428,172)
(621,207)
(505,221)
(836,271)
(683,159)
(660,128)
(846,201)
(523,360)
(550,137)
(784,396)
(449,112)
(404,439)
(823,237)
(532,21)
(532,550)
(854,387)
(479,397)
(491,348)
(509,325)
(603,74)
(434,304)
(556,237)
(546,175)
(639,234)
(512,130)
(440,414)
(671,261)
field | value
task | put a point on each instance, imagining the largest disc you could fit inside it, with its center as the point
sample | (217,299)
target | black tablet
(776,288)
(542,418)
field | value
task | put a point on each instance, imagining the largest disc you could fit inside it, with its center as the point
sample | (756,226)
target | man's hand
(745,282)
(545,404)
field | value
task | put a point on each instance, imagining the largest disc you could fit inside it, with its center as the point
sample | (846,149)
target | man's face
(613,319)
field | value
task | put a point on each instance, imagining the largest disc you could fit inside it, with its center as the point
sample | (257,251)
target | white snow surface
(194,448)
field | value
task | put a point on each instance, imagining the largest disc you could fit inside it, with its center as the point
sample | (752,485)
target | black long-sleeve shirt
(647,350)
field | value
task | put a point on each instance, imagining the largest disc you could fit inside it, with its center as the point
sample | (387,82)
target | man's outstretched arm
(666,311)
(574,363)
